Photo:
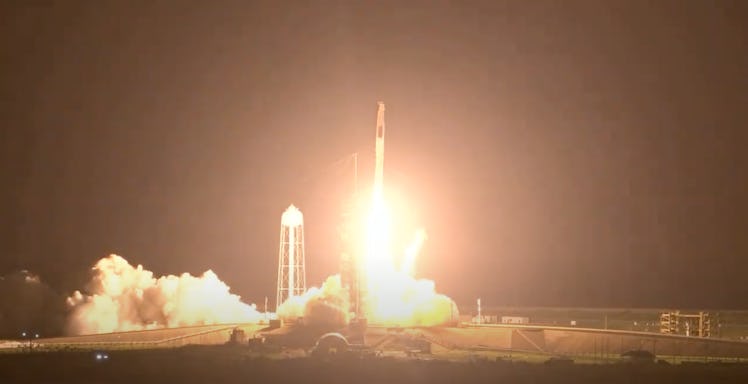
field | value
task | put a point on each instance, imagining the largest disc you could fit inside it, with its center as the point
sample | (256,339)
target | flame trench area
(381,290)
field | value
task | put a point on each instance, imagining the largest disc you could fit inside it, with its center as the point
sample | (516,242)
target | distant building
(515,320)
(485,319)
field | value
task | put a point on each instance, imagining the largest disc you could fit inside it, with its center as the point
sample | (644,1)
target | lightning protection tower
(291,271)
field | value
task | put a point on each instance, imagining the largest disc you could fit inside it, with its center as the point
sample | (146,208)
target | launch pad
(366,328)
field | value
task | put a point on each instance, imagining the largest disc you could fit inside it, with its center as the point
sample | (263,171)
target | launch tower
(291,270)
(351,259)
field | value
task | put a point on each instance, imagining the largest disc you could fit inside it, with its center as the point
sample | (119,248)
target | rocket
(379,152)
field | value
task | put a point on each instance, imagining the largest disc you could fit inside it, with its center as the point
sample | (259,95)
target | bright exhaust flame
(378,262)
(393,295)
(390,295)
(126,298)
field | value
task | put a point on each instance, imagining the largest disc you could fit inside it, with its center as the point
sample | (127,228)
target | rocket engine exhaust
(371,287)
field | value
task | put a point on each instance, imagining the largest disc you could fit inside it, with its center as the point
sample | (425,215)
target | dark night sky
(586,153)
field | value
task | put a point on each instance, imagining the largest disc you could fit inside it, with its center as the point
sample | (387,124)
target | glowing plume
(394,296)
(412,253)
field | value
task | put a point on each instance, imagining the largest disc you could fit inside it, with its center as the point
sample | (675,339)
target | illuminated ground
(159,338)
(502,341)
(458,354)
(215,364)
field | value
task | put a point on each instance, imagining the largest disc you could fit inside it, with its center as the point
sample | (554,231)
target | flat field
(237,365)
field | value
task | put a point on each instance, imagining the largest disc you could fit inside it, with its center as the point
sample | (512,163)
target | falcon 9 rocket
(379,167)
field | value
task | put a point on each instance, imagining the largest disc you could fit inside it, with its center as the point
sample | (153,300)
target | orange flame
(394,296)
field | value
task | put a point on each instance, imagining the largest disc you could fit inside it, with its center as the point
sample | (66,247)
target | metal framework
(694,324)
(291,269)
(349,263)
(352,277)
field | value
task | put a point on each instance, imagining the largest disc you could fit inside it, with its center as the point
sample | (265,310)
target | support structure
(480,315)
(349,263)
(291,270)
(352,261)
(693,324)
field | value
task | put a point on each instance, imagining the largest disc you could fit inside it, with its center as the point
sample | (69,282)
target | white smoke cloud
(406,301)
(401,301)
(327,305)
(124,298)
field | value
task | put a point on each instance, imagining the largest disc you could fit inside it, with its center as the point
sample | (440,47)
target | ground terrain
(220,364)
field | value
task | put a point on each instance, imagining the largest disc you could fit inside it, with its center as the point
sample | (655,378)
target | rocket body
(379,153)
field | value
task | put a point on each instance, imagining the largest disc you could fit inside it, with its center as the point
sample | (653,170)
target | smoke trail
(124,298)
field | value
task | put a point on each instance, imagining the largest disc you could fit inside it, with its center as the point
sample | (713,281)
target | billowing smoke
(402,301)
(121,297)
(406,301)
(29,305)
(327,305)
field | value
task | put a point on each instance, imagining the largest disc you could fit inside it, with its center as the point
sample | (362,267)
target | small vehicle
(101,356)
